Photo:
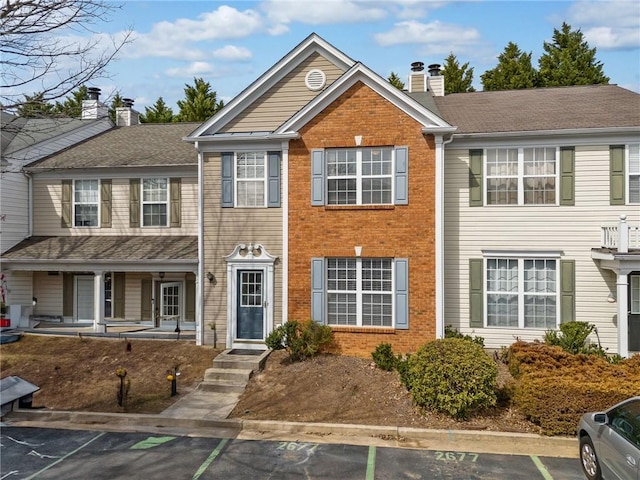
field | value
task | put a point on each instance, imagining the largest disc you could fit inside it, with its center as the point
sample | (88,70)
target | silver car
(610,442)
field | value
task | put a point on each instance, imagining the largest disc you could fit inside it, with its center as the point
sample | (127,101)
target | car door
(620,443)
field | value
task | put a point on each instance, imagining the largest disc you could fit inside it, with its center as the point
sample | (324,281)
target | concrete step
(223,386)
(239,361)
(237,375)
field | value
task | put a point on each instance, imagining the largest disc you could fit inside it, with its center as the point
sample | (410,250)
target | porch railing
(621,236)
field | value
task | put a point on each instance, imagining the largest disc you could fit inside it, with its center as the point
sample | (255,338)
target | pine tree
(457,79)
(200,102)
(568,60)
(394,80)
(34,106)
(72,105)
(158,113)
(513,72)
(116,101)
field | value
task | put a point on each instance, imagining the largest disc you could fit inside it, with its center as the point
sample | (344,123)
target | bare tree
(38,54)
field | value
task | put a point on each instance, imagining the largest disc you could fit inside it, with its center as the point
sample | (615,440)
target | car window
(625,420)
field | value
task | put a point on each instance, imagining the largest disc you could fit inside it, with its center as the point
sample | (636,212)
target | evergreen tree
(72,105)
(158,113)
(568,60)
(34,106)
(457,79)
(116,101)
(513,72)
(200,102)
(394,80)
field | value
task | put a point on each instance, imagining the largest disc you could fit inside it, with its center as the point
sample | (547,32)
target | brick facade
(402,231)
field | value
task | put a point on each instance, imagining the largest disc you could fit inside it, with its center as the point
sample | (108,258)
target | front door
(84,309)
(250,305)
(634,313)
(170,304)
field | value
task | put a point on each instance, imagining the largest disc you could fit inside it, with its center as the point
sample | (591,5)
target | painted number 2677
(456,456)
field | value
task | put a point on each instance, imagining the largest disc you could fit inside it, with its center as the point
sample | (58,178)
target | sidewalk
(204,413)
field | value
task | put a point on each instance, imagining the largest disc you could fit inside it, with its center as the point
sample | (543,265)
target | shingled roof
(143,145)
(105,248)
(541,109)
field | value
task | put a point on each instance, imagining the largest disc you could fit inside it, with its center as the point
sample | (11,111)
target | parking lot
(45,453)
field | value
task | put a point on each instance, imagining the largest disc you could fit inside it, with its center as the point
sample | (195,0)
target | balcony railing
(621,236)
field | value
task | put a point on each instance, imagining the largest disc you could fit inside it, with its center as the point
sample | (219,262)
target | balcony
(621,237)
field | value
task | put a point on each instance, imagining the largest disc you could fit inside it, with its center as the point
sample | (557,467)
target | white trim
(522,253)
(622,298)
(249,257)
(97,203)
(284,165)
(263,180)
(440,226)
(167,202)
(200,265)
(627,167)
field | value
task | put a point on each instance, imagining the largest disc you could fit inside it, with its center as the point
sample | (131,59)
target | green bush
(451,332)
(573,338)
(300,339)
(384,358)
(451,376)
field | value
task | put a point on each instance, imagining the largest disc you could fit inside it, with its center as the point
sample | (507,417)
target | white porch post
(623,318)
(98,302)
(623,235)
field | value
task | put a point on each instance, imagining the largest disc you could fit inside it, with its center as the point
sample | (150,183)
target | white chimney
(92,109)
(419,81)
(127,116)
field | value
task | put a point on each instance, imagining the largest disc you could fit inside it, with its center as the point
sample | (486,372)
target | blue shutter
(274,179)
(317,177)
(227,180)
(402,176)
(402,293)
(317,290)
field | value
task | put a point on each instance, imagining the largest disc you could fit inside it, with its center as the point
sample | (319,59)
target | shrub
(451,332)
(573,338)
(451,376)
(300,339)
(555,388)
(384,358)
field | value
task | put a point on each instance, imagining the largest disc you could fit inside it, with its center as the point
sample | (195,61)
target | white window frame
(359,292)
(86,203)
(632,150)
(634,281)
(359,176)
(144,202)
(237,180)
(521,294)
(520,176)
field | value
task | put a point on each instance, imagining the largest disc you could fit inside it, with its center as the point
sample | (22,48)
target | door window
(625,420)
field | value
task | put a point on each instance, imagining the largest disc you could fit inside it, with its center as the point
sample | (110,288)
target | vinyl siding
(573,230)
(224,228)
(47,195)
(132,295)
(48,290)
(14,205)
(285,98)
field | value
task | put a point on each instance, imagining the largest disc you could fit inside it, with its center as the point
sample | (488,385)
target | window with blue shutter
(360,176)
(250,179)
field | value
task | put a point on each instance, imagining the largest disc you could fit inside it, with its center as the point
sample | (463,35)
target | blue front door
(250,325)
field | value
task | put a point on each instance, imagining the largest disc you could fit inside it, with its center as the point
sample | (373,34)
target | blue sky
(230,44)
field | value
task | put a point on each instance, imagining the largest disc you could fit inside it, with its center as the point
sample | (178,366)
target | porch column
(622,286)
(98,302)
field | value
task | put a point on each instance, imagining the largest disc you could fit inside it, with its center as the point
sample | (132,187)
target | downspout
(285,232)
(440,143)
(29,204)
(200,271)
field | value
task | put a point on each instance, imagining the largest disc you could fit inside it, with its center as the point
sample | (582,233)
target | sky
(230,44)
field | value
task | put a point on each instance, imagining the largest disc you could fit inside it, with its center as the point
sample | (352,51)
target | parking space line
(212,456)
(371,462)
(65,456)
(543,470)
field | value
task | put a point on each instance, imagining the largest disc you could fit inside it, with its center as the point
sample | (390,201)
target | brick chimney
(92,109)
(419,81)
(126,115)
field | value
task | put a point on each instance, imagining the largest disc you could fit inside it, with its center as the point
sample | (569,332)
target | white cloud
(613,25)
(193,69)
(320,12)
(232,53)
(437,34)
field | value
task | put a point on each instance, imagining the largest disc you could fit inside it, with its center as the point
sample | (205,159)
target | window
(85,203)
(521,176)
(250,179)
(625,420)
(155,199)
(360,292)
(635,294)
(359,176)
(634,174)
(521,293)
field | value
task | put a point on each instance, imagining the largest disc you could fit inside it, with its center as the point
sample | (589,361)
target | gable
(285,98)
